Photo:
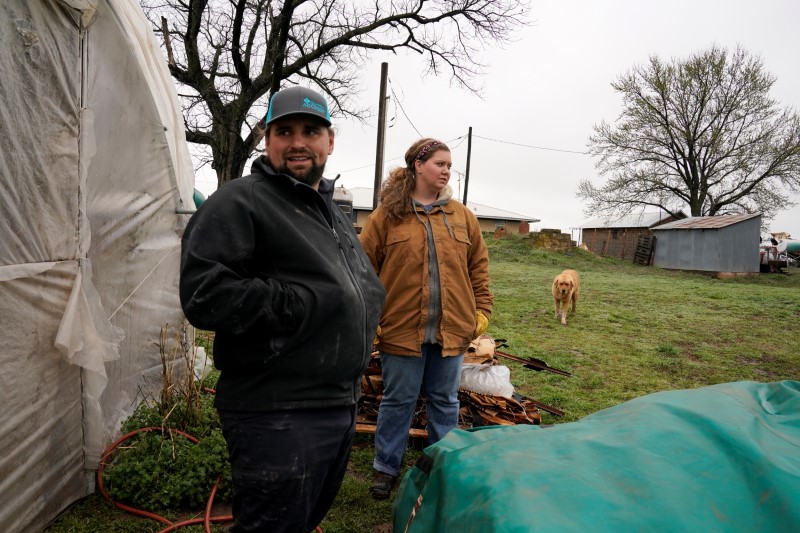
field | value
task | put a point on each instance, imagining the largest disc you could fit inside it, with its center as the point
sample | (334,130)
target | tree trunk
(230,156)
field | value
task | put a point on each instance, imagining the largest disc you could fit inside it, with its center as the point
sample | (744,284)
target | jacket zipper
(354,281)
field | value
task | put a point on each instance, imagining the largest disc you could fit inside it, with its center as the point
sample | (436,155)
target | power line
(402,108)
(460,139)
(372,165)
(531,146)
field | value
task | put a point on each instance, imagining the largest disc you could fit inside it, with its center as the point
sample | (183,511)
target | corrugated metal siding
(733,248)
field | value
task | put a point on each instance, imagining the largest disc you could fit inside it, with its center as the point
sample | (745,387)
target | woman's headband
(425,149)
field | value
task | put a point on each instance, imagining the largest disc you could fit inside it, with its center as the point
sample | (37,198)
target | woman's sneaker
(382,485)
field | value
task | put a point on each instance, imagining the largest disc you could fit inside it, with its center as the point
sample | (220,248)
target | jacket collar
(262,165)
(442,202)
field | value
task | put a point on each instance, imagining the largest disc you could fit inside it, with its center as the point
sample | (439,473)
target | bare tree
(227,55)
(700,134)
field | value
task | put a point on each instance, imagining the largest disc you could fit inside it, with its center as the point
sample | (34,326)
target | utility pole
(379,149)
(469,155)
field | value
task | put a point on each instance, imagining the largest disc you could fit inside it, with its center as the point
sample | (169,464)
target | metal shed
(722,244)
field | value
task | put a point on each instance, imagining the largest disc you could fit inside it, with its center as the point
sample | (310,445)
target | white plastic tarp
(94,176)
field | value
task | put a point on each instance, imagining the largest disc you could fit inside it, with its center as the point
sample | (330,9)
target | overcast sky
(548,89)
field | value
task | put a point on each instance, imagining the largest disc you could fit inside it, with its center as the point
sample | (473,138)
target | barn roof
(717,222)
(639,220)
(362,199)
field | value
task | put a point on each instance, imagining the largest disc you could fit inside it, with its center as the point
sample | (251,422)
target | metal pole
(469,155)
(379,149)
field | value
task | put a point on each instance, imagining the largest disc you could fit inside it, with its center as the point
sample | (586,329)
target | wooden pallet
(644,249)
(364,427)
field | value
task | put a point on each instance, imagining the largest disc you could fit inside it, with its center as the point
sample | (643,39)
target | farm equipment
(789,251)
(777,255)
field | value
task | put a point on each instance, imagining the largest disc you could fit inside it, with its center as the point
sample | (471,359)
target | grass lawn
(637,330)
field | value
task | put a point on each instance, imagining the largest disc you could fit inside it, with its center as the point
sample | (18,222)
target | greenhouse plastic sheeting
(95,178)
(718,458)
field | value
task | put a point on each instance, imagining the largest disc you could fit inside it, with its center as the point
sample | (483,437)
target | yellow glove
(481,323)
(376,340)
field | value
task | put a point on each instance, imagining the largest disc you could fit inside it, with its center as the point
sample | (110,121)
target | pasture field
(637,330)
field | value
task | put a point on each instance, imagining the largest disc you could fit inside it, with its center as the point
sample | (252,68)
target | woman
(428,251)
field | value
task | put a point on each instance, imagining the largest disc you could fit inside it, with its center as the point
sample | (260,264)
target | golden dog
(566,287)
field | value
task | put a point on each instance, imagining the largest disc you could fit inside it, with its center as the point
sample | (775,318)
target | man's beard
(310,178)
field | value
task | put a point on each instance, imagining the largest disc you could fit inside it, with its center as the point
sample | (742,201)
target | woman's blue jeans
(403,377)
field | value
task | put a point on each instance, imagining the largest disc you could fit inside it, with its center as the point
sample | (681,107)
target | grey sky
(550,87)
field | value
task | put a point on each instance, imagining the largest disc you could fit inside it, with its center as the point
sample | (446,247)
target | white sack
(494,380)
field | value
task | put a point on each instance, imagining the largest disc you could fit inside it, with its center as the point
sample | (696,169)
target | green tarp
(718,458)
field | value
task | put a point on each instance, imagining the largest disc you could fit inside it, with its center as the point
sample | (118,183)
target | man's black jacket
(275,269)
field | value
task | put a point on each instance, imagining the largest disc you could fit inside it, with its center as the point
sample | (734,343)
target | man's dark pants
(287,466)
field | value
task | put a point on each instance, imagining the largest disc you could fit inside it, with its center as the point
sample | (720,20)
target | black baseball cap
(298,101)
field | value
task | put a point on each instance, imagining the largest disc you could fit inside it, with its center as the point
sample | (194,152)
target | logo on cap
(319,108)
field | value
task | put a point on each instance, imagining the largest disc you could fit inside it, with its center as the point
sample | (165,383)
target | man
(275,269)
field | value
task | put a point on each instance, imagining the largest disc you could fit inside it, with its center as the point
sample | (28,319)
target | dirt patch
(759,361)
(382,528)
(355,474)
(687,349)
(768,376)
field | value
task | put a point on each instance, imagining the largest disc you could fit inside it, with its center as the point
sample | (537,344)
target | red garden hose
(207,520)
